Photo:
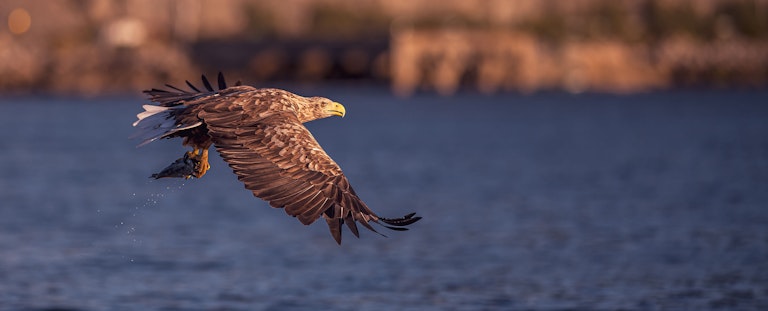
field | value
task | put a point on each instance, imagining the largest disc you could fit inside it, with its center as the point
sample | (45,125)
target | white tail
(156,122)
(149,110)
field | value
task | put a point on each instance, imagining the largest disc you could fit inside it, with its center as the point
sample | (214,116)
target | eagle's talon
(201,165)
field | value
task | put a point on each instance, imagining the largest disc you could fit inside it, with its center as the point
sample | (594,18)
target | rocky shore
(95,47)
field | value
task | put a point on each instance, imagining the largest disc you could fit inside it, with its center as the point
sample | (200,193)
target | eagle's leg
(201,155)
(204,166)
(193,154)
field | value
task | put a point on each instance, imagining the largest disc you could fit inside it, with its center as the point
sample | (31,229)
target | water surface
(542,202)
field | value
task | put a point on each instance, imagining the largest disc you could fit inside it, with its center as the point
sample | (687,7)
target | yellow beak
(336,109)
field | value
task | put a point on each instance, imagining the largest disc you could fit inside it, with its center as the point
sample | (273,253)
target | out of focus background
(92,47)
(564,155)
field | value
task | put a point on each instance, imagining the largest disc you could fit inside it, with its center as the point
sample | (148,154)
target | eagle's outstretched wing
(268,148)
(279,160)
(176,96)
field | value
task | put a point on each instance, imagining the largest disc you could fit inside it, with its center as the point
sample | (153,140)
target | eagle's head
(321,107)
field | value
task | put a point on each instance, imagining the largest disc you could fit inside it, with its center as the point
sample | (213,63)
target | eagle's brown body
(259,133)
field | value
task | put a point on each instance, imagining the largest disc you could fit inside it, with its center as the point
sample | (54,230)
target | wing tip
(334,224)
(221,81)
(395,224)
(173,95)
(402,221)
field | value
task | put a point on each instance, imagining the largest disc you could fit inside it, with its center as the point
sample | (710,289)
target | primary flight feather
(259,133)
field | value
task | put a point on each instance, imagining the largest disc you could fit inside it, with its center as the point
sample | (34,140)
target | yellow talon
(194,153)
(203,166)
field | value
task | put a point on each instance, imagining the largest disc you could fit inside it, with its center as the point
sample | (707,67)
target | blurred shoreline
(106,47)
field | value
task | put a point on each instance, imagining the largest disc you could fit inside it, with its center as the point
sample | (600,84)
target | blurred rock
(20,63)
(89,46)
(125,32)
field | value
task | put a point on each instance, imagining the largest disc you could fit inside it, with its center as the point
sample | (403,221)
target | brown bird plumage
(259,133)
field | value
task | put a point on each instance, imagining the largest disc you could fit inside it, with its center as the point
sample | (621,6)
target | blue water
(542,202)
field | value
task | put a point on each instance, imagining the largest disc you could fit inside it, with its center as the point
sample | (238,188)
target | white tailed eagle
(259,133)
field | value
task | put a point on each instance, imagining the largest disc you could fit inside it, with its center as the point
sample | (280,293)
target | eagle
(259,132)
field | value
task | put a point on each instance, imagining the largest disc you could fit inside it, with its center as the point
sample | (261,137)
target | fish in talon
(184,167)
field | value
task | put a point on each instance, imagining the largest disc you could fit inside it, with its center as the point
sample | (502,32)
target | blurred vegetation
(659,20)
(604,20)
(131,42)
(746,18)
(662,21)
(347,23)
(260,23)
(549,26)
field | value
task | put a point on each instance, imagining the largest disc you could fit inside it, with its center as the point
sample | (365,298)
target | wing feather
(314,213)
(207,84)
(222,81)
(176,96)
(351,224)
(189,84)
(271,152)
(334,224)
(279,161)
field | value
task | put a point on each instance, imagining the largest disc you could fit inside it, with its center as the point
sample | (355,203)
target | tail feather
(149,110)
(157,122)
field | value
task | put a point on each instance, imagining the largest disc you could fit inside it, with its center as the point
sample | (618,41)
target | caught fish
(183,167)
